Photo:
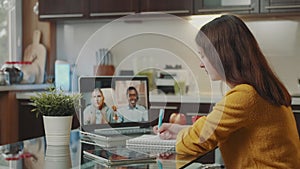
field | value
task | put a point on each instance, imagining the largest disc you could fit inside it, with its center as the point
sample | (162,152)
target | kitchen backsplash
(155,43)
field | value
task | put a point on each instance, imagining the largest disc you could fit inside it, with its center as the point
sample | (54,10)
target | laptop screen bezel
(88,83)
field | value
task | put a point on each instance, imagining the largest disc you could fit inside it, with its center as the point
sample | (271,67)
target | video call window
(114,103)
(121,88)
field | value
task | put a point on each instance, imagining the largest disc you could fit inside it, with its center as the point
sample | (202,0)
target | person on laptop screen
(133,112)
(98,112)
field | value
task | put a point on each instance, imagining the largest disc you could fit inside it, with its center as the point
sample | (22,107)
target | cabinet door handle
(61,16)
(169,12)
(26,103)
(226,9)
(164,107)
(283,7)
(111,14)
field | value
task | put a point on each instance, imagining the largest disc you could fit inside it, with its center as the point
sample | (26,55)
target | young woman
(253,125)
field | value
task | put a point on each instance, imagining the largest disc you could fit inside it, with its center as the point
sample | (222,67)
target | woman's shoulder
(242,93)
(243,89)
(107,108)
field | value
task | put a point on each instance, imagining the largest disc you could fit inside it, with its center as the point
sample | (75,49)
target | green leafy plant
(55,103)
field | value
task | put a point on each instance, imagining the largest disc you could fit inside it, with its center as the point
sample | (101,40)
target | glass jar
(14,71)
(4,78)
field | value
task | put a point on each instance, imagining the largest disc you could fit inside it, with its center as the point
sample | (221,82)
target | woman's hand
(168,131)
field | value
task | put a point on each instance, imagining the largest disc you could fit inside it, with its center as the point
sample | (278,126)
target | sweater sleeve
(230,114)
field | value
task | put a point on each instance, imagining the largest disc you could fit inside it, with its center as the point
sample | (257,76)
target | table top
(35,154)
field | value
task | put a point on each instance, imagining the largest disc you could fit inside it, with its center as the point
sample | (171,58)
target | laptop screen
(114,101)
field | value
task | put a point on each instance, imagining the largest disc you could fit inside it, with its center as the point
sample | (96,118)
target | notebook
(116,120)
(151,144)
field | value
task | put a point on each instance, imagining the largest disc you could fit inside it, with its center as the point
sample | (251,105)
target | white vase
(57,129)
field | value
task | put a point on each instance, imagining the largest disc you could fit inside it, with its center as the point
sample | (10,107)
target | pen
(160,117)
(159,164)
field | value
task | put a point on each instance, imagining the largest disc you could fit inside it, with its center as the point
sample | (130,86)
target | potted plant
(57,109)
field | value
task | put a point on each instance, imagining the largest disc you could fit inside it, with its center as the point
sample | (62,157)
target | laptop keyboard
(123,131)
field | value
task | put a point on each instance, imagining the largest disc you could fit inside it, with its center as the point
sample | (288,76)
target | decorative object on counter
(150,73)
(14,72)
(173,80)
(195,118)
(179,87)
(36,53)
(62,73)
(177,118)
(104,62)
(180,82)
(29,75)
(173,67)
(126,72)
(4,78)
(57,108)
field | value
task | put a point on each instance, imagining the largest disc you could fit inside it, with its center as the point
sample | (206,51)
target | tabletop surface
(35,154)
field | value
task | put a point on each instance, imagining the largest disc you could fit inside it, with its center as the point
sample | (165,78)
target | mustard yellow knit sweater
(250,132)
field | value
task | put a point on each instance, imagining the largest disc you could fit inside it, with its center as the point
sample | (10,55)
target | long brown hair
(242,60)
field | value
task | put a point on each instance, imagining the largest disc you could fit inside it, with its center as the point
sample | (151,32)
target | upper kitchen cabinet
(279,6)
(220,6)
(104,8)
(177,7)
(62,9)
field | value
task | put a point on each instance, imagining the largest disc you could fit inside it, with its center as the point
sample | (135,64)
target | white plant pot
(57,129)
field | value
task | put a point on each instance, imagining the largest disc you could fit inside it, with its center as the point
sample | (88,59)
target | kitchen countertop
(24,87)
(202,98)
(205,98)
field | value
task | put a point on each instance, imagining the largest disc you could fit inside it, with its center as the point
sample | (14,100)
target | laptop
(117,120)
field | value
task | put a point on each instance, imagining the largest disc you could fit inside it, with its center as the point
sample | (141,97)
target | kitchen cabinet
(88,9)
(279,6)
(62,9)
(220,6)
(30,126)
(112,7)
(8,117)
(178,7)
